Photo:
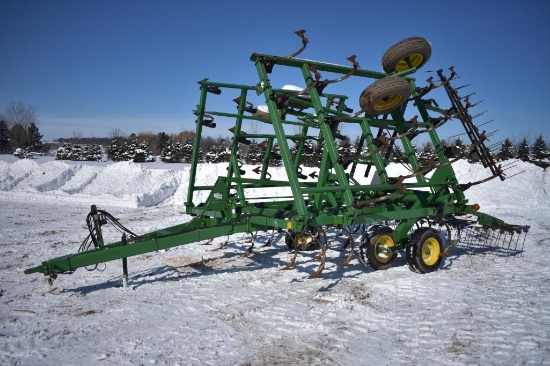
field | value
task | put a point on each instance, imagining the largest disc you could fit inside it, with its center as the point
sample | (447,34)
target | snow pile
(12,174)
(81,179)
(126,183)
(147,185)
(520,199)
(134,183)
(46,177)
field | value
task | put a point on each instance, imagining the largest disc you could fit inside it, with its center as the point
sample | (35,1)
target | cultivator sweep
(423,214)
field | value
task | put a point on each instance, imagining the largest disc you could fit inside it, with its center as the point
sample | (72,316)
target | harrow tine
(511,239)
(510,165)
(502,240)
(479,114)
(485,123)
(523,171)
(492,133)
(524,237)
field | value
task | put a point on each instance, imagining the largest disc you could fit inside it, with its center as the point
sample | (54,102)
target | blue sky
(89,67)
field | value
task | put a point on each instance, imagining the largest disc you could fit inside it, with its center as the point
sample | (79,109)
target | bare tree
(19,113)
(116,133)
(77,135)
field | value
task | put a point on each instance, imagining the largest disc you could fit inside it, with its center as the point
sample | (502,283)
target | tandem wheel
(424,251)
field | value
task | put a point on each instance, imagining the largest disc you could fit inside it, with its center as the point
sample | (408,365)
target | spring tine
(322,255)
(317,238)
(351,253)
(317,273)
(270,240)
(355,66)
(346,243)
(290,263)
(253,240)
(223,245)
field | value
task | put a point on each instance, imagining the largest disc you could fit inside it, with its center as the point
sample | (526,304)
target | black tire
(305,241)
(375,249)
(407,53)
(424,251)
(384,95)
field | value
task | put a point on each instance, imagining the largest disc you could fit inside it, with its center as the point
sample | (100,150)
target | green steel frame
(335,198)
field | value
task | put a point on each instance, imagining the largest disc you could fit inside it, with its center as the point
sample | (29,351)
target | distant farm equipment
(423,214)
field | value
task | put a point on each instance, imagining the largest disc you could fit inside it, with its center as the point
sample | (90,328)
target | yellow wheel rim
(388,102)
(430,251)
(409,62)
(302,239)
(382,250)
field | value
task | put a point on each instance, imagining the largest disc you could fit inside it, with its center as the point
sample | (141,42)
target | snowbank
(147,185)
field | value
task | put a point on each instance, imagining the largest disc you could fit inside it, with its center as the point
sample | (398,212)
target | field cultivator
(423,214)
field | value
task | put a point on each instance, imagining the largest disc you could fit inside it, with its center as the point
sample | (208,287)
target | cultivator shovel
(423,214)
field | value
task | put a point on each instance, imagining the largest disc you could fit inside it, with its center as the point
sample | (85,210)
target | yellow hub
(302,239)
(388,102)
(382,250)
(409,62)
(430,251)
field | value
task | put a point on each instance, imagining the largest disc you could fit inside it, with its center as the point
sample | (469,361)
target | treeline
(20,135)
(178,148)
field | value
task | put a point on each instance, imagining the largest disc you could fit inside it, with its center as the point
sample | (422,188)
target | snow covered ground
(198,305)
